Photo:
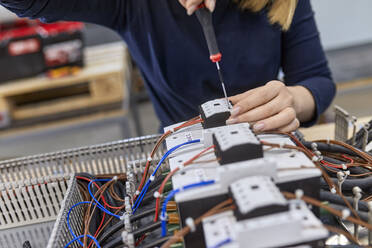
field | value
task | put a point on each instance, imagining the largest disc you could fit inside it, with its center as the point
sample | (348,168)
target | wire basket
(33,189)
(108,158)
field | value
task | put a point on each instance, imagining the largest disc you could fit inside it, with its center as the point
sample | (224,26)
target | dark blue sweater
(169,47)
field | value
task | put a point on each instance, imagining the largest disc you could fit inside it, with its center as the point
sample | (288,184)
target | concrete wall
(341,22)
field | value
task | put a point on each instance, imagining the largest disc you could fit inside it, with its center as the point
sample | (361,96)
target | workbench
(325,131)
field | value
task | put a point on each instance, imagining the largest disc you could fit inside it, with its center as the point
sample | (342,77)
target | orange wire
(190,122)
(170,174)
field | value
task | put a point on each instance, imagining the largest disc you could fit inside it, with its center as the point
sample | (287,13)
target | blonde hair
(279,11)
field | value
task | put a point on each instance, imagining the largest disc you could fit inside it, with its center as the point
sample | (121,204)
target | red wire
(336,165)
(170,174)
(105,205)
(141,239)
(190,122)
(98,229)
(346,157)
(160,191)
(331,165)
(102,197)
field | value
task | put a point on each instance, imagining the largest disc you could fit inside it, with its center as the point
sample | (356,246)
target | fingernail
(231,121)
(235,111)
(259,127)
(212,5)
(191,10)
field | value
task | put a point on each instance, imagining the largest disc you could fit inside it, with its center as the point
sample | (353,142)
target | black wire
(336,199)
(331,148)
(148,228)
(156,243)
(157,181)
(142,214)
(116,242)
(364,183)
(137,233)
(120,189)
(362,214)
(120,225)
(332,160)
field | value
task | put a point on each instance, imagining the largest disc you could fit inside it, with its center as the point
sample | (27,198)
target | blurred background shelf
(99,86)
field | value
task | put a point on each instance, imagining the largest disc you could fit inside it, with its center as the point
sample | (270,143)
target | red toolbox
(30,47)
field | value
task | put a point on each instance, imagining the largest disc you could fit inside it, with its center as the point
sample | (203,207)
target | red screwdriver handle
(205,18)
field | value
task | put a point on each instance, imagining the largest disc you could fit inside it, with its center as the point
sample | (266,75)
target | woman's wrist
(304,103)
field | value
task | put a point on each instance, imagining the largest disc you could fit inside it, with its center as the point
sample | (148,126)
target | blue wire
(171,195)
(99,205)
(82,236)
(68,219)
(144,190)
(163,221)
(223,242)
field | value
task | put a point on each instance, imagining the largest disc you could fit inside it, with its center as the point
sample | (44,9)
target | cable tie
(345,213)
(344,167)
(156,194)
(191,224)
(137,192)
(152,178)
(115,178)
(369,205)
(299,193)
(163,217)
(124,236)
(356,190)
(347,173)
(281,144)
(340,175)
(314,146)
(333,190)
(171,130)
(328,141)
(315,159)
(149,159)
(181,166)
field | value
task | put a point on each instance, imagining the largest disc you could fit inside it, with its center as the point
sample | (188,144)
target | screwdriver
(205,18)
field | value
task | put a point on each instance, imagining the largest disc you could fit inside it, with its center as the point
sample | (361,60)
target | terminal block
(257,196)
(236,143)
(214,113)
(297,227)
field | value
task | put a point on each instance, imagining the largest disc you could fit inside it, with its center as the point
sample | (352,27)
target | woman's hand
(273,107)
(192,5)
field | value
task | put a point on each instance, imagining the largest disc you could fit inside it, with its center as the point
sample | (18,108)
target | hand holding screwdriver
(205,18)
(192,5)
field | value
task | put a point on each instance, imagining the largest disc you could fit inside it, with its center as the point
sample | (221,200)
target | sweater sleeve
(303,59)
(109,13)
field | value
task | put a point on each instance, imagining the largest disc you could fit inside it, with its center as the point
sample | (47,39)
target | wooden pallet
(101,84)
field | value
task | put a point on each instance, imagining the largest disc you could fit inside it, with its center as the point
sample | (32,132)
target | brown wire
(333,211)
(320,167)
(114,194)
(363,155)
(219,208)
(98,195)
(88,216)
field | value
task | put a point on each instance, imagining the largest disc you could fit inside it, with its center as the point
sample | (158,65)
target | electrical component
(297,226)
(236,143)
(223,177)
(247,190)
(214,113)
(257,196)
